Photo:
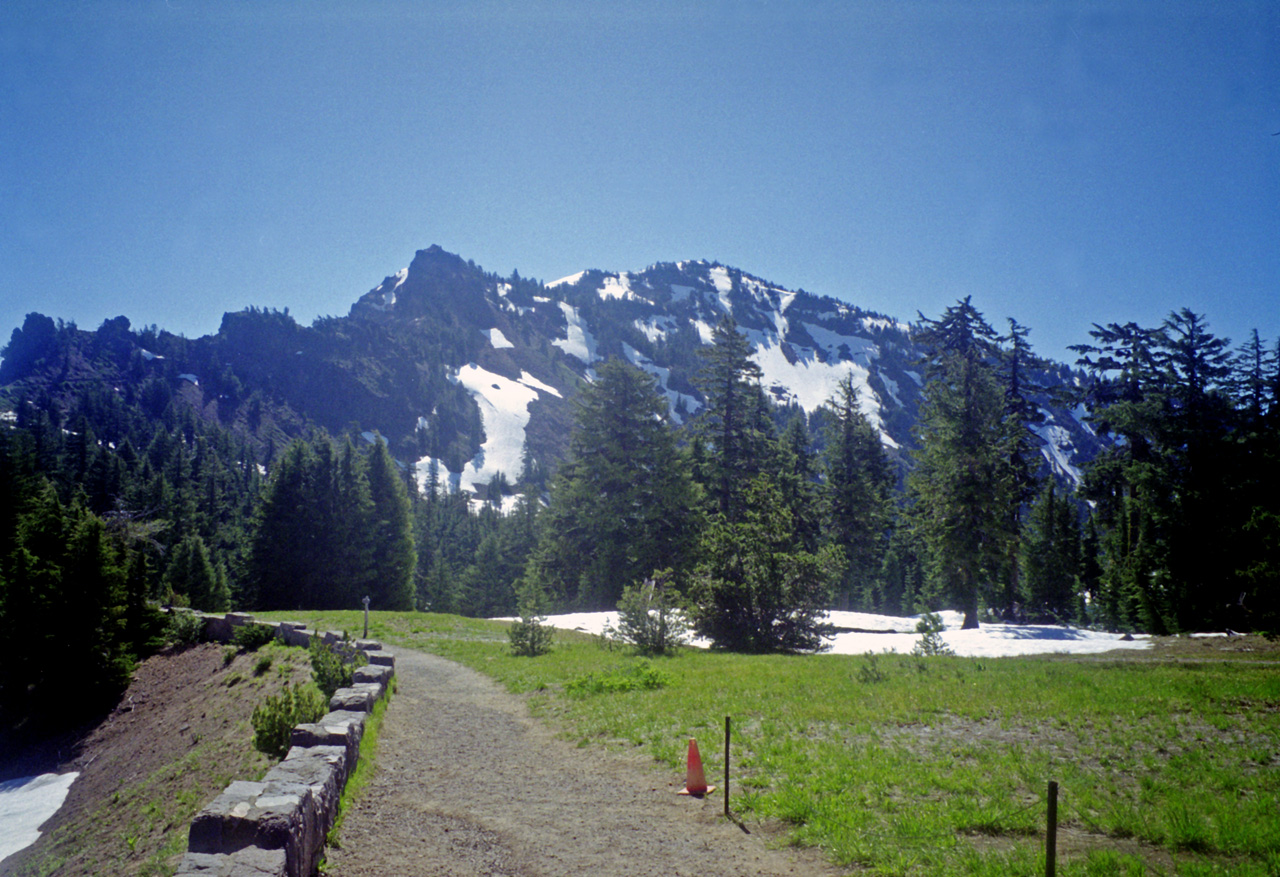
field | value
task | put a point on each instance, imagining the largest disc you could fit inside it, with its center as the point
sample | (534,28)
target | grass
(365,766)
(902,765)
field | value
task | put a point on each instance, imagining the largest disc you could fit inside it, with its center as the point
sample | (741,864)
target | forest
(754,517)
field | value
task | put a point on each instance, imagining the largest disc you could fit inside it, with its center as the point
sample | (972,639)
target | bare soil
(179,734)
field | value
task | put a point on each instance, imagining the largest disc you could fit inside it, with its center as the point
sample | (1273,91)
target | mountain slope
(469,375)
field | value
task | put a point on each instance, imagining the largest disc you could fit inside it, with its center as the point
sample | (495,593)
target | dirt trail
(468,783)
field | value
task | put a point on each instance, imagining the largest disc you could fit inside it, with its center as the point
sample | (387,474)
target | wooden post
(726,767)
(1051,837)
(366,617)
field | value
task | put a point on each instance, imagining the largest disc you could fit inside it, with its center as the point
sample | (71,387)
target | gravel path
(468,783)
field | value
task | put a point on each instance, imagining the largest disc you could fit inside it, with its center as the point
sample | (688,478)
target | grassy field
(901,765)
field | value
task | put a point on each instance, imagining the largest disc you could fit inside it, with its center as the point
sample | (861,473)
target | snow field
(25,804)
(884,633)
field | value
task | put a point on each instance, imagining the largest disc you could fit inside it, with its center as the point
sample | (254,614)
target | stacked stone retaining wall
(276,827)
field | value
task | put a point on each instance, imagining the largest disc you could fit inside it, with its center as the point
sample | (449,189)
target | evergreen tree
(755,590)
(731,423)
(394,556)
(961,487)
(857,484)
(1050,558)
(622,504)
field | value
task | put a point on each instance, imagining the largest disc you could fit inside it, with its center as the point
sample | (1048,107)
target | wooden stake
(1051,837)
(726,767)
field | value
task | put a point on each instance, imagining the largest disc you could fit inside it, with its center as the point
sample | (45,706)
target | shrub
(640,677)
(931,643)
(650,616)
(184,629)
(274,719)
(251,637)
(529,634)
(334,666)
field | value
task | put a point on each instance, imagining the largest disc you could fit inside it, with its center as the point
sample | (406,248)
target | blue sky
(1063,163)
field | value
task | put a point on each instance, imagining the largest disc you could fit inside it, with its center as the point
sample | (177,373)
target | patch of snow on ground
(504,410)
(579,341)
(724,285)
(25,804)
(680,293)
(618,287)
(642,362)
(655,328)
(883,633)
(497,339)
(530,381)
(567,281)
(859,348)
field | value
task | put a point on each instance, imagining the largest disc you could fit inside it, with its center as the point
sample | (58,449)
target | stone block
(248,862)
(334,729)
(216,628)
(381,658)
(294,633)
(358,698)
(239,619)
(314,777)
(368,645)
(376,673)
(224,825)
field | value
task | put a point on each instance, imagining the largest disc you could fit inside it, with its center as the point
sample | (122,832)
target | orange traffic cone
(695,782)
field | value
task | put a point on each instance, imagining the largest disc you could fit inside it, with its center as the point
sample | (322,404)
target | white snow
(619,287)
(148,355)
(579,341)
(1057,450)
(25,804)
(497,339)
(566,281)
(504,410)
(859,348)
(680,293)
(724,284)
(890,634)
(642,362)
(190,377)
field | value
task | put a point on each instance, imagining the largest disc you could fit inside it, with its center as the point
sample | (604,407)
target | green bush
(251,637)
(650,616)
(334,666)
(184,629)
(529,636)
(274,719)
(638,678)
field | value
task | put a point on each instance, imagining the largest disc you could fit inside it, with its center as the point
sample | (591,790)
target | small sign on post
(366,617)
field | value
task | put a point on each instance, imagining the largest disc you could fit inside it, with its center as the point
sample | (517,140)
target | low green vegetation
(906,764)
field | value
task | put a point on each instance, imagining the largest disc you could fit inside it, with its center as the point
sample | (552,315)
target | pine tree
(731,423)
(755,590)
(394,556)
(961,489)
(622,504)
(858,480)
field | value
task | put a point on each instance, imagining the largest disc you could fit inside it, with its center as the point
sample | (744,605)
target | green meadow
(901,765)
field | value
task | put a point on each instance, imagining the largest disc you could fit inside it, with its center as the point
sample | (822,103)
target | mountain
(469,375)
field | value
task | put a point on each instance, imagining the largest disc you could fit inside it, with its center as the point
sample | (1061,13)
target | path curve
(468,783)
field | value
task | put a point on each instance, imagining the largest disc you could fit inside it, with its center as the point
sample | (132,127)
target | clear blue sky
(1063,163)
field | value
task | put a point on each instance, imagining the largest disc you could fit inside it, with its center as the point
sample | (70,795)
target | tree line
(760,517)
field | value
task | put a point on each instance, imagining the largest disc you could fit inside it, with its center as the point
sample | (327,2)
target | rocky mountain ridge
(470,376)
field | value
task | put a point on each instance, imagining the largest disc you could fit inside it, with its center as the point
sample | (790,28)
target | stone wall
(276,827)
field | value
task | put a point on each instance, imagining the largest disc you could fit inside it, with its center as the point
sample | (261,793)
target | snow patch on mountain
(579,341)
(567,281)
(619,287)
(642,362)
(504,411)
(497,339)
(1058,448)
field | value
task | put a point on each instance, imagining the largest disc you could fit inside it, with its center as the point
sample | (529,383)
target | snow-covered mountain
(535,342)
(469,376)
